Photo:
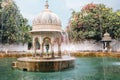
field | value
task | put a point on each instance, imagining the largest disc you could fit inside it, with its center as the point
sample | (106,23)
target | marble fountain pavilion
(47,31)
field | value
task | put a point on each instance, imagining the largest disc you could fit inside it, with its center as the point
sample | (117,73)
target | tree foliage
(93,21)
(14,27)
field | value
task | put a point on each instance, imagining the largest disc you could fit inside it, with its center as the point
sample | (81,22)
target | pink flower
(89,6)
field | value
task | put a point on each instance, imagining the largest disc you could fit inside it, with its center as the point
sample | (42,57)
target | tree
(93,21)
(14,27)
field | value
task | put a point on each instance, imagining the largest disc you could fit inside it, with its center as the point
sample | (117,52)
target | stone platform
(44,64)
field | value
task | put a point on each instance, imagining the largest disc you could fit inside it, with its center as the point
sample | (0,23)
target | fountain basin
(44,64)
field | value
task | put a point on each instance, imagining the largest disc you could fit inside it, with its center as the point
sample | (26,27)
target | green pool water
(90,68)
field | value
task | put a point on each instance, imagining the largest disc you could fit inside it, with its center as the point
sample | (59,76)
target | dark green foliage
(93,21)
(13,27)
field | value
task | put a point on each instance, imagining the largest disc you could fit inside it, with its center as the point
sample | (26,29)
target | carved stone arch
(37,43)
(49,39)
(46,40)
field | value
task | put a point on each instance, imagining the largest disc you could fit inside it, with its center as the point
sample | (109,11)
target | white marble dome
(47,17)
(46,21)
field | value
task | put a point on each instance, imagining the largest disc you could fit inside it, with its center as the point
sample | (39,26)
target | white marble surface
(39,59)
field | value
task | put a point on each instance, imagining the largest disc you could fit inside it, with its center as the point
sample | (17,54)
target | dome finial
(46,5)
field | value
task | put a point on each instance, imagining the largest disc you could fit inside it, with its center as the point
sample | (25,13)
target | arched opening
(46,45)
(37,44)
(29,45)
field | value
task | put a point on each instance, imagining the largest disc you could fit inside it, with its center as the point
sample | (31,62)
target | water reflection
(85,69)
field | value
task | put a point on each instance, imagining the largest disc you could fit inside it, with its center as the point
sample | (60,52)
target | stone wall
(115,45)
(90,45)
(85,46)
(14,47)
(79,46)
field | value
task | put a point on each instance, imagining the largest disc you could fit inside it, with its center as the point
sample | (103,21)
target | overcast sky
(31,8)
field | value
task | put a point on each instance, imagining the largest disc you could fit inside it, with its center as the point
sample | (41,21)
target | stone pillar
(59,49)
(34,46)
(42,48)
(52,47)
(40,41)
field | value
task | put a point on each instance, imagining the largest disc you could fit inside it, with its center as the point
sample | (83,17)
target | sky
(63,8)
